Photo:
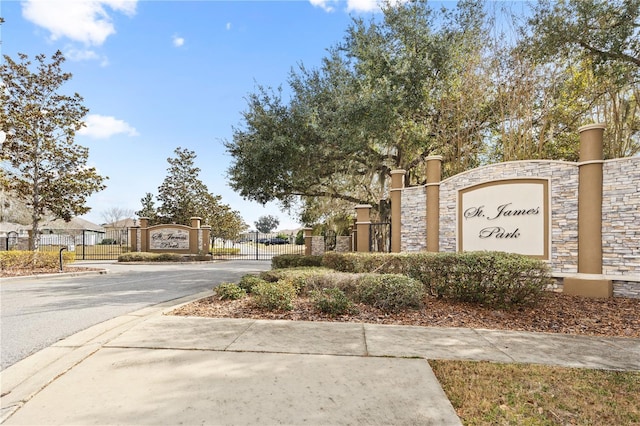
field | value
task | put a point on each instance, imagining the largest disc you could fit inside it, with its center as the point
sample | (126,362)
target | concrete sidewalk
(148,368)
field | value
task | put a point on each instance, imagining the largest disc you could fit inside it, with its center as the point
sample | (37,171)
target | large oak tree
(42,164)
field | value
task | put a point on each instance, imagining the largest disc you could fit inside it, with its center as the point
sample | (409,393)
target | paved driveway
(36,313)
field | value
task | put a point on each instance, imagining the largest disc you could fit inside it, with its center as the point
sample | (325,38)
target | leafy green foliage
(229,291)
(150,257)
(274,296)
(332,301)
(18,259)
(221,251)
(490,278)
(295,261)
(390,292)
(266,224)
(458,81)
(183,195)
(247,282)
(48,171)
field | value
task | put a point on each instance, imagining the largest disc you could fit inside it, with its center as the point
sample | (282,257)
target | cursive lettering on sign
(504,211)
(498,232)
(170,239)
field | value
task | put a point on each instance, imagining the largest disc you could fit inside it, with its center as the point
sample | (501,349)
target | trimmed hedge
(491,278)
(295,261)
(224,251)
(23,259)
(150,257)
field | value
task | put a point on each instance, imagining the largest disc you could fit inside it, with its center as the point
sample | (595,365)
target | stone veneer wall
(343,244)
(317,245)
(563,190)
(413,219)
(621,217)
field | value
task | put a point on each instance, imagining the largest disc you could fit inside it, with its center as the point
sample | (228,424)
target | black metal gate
(255,246)
(380,237)
(87,244)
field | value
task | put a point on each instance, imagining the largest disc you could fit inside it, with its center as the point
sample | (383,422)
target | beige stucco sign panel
(169,239)
(509,215)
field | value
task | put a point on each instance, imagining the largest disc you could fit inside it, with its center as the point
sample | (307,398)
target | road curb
(26,378)
(59,274)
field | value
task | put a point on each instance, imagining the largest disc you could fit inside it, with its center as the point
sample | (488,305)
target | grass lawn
(486,393)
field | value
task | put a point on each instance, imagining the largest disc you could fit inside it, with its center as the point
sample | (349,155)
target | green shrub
(332,301)
(247,282)
(224,251)
(150,257)
(295,261)
(381,263)
(299,277)
(277,296)
(491,278)
(390,292)
(23,259)
(106,241)
(326,278)
(229,291)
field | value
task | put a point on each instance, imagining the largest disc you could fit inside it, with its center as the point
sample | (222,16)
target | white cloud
(103,127)
(352,5)
(323,4)
(178,41)
(228,26)
(362,5)
(85,21)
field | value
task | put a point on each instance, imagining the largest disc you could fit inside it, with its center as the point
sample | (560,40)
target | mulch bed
(555,313)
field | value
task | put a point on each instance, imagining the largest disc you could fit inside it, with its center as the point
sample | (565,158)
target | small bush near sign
(490,278)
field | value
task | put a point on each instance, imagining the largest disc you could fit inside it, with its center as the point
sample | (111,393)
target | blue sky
(156,75)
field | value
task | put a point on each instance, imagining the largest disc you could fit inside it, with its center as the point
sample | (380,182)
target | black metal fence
(380,237)
(87,244)
(255,246)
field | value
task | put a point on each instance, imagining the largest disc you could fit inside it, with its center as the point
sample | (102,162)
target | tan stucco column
(206,238)
(144,234)
(589,282)
(307,241)
(434,173)
(193,235)
(134,244)
(397,184)
(363,225)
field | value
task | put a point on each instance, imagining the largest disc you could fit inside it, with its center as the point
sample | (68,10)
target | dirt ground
(555,313)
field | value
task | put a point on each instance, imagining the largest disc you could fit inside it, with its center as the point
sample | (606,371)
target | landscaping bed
(554,313)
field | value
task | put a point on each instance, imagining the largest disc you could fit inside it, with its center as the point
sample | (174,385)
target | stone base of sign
(343,244)
(588,285)
(317,245)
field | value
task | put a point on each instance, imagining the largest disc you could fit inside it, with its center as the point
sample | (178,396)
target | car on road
(276,241)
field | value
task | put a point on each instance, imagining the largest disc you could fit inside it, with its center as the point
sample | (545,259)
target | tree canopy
(182,195)
(457,82)
(266,224)
(43,165)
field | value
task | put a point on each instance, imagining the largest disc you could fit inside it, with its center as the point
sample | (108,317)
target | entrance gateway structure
(582,219)
(172,238)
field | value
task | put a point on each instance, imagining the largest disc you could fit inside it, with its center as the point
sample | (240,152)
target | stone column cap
(363,206)
(398,171)
(592,126)
(434,157)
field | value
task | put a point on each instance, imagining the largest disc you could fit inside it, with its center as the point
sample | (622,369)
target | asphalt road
(36,313)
